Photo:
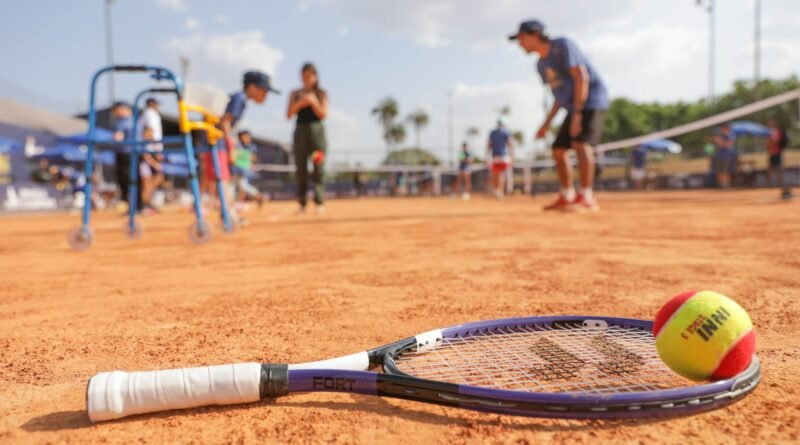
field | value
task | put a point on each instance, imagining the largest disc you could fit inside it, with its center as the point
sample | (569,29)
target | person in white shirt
(150,169)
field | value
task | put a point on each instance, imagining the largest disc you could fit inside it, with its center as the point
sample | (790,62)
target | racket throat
(274,380)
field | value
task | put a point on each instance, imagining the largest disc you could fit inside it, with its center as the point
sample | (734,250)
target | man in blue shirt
(577,87)
(724,156)
(500,154)
(123,131)
(638,162)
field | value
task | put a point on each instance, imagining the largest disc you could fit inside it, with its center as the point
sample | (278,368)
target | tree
(518,137)
(505,110)
(394,135)
(419,120)
(411,156)
(386,111)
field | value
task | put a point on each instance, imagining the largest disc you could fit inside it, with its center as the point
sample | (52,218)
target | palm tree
(419,119)
(518,137)
(386,112)
(394,135)
(472,133)
(505,110)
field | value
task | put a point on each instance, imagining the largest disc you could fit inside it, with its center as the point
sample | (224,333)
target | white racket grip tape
(113,395)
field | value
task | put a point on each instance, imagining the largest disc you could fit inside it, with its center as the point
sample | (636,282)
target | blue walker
(82,237)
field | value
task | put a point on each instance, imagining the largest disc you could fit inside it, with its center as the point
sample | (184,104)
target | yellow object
(701,333)
(209,124)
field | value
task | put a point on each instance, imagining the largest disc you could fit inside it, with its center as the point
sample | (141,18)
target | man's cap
(528,27)
(259,79)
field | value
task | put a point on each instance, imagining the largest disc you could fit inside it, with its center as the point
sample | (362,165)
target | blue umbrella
(740,128)
(7,145)
(100,135)
(664,145)
(64,152)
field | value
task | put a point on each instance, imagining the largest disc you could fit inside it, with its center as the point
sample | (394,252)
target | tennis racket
(564,367)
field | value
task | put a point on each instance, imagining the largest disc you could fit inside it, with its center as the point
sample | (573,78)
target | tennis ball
(704,336)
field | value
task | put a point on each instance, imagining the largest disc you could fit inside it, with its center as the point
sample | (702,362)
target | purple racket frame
(117,394)
(394,383)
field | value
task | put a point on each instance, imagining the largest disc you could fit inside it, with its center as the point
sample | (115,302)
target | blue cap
(259,79)
(528,27)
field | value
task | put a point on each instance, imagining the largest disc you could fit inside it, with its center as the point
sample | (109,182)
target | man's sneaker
(465,196)
(561,203)
(581,204)
(320,209)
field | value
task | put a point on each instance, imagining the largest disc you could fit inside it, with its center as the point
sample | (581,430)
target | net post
(526,177)
(437,181)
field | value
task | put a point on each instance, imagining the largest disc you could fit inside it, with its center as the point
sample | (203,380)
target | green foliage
(626,119)
(411,156)
(518,137)
(395,134)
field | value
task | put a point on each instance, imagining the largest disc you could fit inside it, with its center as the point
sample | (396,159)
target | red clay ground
(291,289)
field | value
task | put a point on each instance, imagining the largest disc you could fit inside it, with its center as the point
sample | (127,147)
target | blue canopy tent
(742,128)
(100,135)
(6,144)
(71,153)
(663,145)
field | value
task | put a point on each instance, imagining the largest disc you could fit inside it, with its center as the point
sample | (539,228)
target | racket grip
(113,395)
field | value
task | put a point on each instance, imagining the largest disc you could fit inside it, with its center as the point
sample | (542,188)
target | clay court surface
(293,289)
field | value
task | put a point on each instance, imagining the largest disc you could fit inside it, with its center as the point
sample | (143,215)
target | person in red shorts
(500,155)
(256,87)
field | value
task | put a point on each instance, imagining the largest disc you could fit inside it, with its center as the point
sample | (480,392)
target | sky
(421,52)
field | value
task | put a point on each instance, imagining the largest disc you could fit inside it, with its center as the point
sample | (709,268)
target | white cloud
(175,5)
(222,19)
(218,58)
(479,106)
(191,23)
(476,23)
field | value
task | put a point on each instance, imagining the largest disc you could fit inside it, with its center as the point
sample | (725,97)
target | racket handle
(113,395)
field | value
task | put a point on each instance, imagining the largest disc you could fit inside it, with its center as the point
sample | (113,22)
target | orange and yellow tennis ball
(704,336)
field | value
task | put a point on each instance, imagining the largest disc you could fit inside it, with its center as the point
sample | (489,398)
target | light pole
(109,50)
(757,55)
(450,127)
(185,62)
(709,5)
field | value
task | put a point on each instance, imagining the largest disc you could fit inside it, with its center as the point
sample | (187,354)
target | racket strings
(547,358)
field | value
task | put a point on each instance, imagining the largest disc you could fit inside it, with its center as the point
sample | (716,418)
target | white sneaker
(301,210)
(465,196)
(320,209)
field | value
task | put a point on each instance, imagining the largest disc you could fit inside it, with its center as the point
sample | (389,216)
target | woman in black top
(310,105)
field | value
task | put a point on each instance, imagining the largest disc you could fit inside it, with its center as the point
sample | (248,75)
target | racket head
(563,366)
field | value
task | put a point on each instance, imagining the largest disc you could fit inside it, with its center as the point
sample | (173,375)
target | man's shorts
(638,174)
(775,160)
(208,165)
(500,164)
(591,129)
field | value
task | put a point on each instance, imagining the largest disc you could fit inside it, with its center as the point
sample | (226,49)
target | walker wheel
(81,238)
(198,235)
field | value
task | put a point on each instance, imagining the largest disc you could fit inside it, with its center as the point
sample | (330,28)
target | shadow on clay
(74,420)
